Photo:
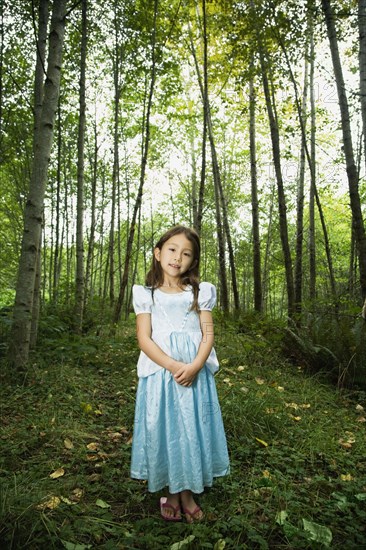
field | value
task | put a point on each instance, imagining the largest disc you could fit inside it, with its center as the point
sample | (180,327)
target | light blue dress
(179,440)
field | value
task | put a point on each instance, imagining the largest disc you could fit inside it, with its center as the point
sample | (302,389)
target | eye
(188,254)
(171,249)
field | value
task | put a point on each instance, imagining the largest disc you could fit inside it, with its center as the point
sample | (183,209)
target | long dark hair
(155,277)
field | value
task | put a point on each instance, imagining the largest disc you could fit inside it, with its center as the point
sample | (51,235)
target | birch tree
(22,315)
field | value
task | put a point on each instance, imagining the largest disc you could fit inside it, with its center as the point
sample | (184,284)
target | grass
(297,448)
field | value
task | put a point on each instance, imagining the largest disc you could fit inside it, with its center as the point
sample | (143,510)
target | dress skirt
(179,440)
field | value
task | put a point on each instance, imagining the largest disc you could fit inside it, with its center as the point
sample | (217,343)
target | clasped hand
(185,373)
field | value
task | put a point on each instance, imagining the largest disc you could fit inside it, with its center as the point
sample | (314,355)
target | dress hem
(180,489)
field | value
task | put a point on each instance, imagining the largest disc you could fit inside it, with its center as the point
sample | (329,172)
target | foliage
(296,444)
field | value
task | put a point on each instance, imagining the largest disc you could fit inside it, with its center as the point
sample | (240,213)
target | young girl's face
(175,256)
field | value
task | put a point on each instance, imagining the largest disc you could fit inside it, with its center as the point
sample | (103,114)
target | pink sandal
(192,515)
(164,505)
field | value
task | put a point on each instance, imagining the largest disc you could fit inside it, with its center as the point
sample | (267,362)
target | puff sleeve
(207,296)
(141,299)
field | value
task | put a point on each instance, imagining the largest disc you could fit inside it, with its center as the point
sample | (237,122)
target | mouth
(175,266)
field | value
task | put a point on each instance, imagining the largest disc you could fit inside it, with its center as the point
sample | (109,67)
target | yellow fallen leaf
(292,406)
(305,406)
(51,503)
(241,368)
(86,407)
(280,388)
(345,444)
(76,494)
(296,418)
(92,446)
(346,477)
(57,473)
(359,408)
(129,442)
(67,501)
(259,381)
(244,389)
(263,443)
(226,380)
(361,419)
(68,443)
(98,412)
(266,474)
(92,457)
(115,436)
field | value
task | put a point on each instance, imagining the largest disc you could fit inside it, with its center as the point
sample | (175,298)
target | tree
(80,283)
(22,315)
(351,168)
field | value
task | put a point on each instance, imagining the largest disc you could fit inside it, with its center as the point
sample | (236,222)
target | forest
(245,120)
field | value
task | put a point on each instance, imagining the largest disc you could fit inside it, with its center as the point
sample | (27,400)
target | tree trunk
(275,138)
(352,172)
(362,66)
(91,241)
(312,248)
(22,318)
(219,195)
(145,150)
(257,271)
(300,196)
(79,286)
(43,17)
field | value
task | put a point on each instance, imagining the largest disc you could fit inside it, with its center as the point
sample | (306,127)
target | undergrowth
(297,449)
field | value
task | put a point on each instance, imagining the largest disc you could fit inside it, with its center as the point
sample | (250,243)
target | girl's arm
(187,373)
(148,346)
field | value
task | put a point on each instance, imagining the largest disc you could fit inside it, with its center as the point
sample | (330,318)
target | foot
(170,508)
(191,510)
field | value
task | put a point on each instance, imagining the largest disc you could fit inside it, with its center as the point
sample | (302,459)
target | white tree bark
(22,317)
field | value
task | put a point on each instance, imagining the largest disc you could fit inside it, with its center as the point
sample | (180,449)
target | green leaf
(361,496)
(184,542)
(281,517)
(318,533)
(220,545)
(102,504)
(75,546)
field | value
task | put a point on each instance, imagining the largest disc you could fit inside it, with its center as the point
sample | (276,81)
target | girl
(179,440)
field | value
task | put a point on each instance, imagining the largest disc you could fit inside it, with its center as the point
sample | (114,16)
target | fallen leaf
(129,442)
(67,501)
(259,381)
(266,474)
(346,477)
(94,477)
(115,436)
(102,504)
(345,444)
(359,408)
(361,419)
(263,443)
(76,494)
(52,503)
(280,388)
(292,406)
(68,443)
(241,368)
(57,473)
(244,389)
(98,412)
(92,457)
(92,446)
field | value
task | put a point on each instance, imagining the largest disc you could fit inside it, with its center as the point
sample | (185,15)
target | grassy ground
(297,447)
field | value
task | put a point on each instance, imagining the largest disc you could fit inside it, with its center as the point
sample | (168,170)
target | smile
(175,266)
